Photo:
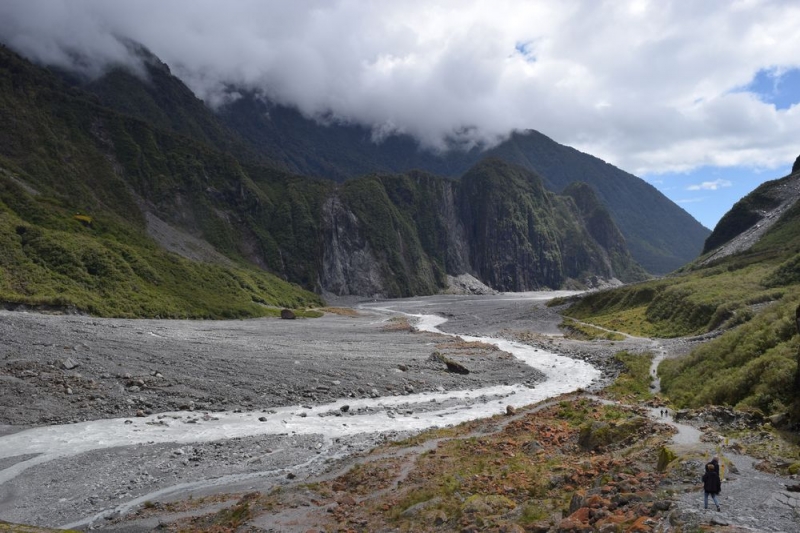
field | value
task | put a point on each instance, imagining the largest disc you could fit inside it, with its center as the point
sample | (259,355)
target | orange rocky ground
(572,465)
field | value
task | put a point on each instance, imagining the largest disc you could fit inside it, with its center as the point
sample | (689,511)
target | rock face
(510,226)
(416,233)
(796,166)
(349,266)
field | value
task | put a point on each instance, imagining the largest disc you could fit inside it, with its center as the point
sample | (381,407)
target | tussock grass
(343,311)
(576,330)
(633,383)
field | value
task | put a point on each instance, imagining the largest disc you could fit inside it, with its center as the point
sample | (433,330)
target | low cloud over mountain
(648,86)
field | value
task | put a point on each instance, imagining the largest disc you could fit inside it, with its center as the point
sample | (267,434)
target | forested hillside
(143,188)
(660,235)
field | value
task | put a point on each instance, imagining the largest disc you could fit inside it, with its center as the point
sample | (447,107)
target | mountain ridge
(139,182)
(661,235)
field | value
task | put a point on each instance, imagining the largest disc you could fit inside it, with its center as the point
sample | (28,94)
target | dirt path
(751,500)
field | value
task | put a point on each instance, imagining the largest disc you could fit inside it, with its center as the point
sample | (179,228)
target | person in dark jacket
(712,485)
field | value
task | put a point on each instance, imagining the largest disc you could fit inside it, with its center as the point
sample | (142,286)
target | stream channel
(59,443)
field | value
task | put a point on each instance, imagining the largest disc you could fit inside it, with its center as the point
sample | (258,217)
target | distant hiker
(712,485)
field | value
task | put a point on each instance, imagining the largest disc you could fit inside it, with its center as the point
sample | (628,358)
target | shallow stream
(412,412)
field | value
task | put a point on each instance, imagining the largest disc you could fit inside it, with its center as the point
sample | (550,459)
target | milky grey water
(52,443)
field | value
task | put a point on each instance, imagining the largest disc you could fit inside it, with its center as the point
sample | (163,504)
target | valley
(155,415)
(252,313)
(175,408)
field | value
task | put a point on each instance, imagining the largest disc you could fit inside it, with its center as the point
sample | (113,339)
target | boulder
(451,365)
(69,363)
(287,314)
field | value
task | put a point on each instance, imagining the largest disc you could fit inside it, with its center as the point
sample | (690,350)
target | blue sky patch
(707,192)
(778,87)
(526,50)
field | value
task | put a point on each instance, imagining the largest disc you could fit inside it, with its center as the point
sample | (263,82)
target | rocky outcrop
(457,252)
(498,226)
(467,284)
(349,266)
(509,220)
(751,217)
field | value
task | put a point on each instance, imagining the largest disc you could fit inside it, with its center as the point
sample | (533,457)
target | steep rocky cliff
(398,235)
(349,265)
(660,235)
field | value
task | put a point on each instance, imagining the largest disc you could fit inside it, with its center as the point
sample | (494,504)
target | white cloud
(647,85)
(710,185)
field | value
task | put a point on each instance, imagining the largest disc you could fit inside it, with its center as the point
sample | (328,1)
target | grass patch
(577,330)
(97,276)
(633,383)
(227,520)
(342,311)
(687,304)
(751,366)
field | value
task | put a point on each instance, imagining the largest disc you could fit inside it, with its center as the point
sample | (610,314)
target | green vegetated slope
(150,92)
(750,297)
(660,235)
(62,154)
(522,236)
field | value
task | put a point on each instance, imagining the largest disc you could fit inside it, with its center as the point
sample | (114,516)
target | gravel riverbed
(58,370)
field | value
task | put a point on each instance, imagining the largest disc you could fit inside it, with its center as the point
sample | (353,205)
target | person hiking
(712,485)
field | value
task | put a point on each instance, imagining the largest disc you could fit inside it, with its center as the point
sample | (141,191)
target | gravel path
(751,500)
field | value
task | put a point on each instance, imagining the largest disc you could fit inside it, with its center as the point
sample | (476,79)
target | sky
(700,99)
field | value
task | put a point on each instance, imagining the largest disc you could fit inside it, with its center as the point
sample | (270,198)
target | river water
(430,410)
